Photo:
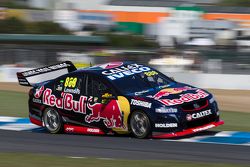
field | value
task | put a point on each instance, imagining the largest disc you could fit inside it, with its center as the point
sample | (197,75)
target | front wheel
(140,124)
(52,121)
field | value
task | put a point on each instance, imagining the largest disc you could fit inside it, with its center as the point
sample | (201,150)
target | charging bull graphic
(110,113)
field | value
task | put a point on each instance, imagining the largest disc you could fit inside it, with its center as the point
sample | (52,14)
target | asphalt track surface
(120,147)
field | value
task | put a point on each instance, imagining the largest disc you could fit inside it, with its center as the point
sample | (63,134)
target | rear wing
(31,77)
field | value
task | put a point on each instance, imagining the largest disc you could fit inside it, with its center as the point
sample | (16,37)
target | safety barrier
(214,81)
(202,80)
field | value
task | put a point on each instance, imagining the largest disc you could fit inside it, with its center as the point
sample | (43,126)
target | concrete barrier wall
(8,74)
(211,81)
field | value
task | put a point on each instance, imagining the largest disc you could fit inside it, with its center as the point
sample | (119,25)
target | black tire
(140,125)
(52,121)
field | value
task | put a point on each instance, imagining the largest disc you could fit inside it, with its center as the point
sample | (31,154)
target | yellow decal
(125,109)
(106,95)
(70,82)
(150,73)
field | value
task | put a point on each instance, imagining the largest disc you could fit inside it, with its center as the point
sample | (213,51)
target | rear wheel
(52,121)
(140,124)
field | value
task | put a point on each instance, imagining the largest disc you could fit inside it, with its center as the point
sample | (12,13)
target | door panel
(102,110)
(68,90)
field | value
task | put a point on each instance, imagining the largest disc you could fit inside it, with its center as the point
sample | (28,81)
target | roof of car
(102,67)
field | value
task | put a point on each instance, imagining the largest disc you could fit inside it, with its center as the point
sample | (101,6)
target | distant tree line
(127,40)
(14,25)
(235,3)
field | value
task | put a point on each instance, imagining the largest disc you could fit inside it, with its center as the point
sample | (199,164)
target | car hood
(174,94)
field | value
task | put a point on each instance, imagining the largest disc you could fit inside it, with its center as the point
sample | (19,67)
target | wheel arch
(140,110)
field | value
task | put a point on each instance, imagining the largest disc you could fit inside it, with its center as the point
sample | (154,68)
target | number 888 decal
(70,82)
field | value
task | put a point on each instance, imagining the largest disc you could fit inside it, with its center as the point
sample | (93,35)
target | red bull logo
(39,92)
(185,98)
(168,91)
(65,102)
(109,113)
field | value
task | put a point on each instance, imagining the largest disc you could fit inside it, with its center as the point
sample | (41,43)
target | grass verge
(16,105)
(234,121)
(13,104)
(29,160)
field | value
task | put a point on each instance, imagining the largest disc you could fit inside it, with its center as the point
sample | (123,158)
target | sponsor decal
(111,65)
(39,92)
(169,91)
(70,82)
(123,71)
(44,69)
(69,129)
(24,82)
(150,73)
(141,103)
(166,110)
(82,129)
(189,117)
(65,102)
(211,100)
(110,114)
(166,125)
(73,91)
(37,101)
(59,87)
(198,115)
(89,130)
(203,128)
(93,130)
(141,92)
(106,95)
(185,98)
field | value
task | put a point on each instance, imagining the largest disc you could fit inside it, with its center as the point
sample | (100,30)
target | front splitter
(187,131)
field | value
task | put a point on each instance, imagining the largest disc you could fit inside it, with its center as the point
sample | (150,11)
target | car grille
(203,121)
(195,106)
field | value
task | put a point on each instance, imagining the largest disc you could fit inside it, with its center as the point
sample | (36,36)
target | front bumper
(187,131)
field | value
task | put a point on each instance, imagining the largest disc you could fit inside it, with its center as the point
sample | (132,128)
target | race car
(117,98)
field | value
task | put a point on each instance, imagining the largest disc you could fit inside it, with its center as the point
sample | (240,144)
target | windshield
(142,82)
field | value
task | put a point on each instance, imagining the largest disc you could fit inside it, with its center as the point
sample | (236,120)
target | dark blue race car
(117,98)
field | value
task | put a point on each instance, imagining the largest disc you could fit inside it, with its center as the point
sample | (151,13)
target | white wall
(80,4)
(68,4)
(43,4)
(214,81)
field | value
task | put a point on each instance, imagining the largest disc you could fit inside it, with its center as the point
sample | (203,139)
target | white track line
(205,142)
(225,134)
(18,127)
(76,157)
(106,159)
(8,119)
